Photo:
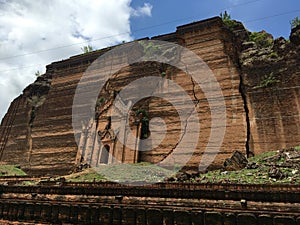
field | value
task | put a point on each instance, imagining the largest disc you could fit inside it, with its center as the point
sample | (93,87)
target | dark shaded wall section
(271,79)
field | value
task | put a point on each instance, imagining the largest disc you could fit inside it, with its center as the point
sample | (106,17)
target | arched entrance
(104,154)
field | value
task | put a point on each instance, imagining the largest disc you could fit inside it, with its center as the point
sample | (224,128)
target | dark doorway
(104,154)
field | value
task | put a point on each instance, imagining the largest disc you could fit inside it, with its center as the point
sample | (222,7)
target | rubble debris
(276,173)
(237,161)
(252,165)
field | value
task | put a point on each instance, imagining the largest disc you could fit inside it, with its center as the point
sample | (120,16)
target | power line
(64,46)
(20,67)
(107,37)
(145,28)
(276,15)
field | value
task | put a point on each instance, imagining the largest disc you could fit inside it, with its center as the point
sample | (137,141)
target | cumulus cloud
(145,10)
(36,33)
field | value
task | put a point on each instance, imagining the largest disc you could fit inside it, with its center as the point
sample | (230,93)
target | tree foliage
(230,23)
(262,39)
(87,49)
(295,22)
(267,81)
(225,16)
(150,49)
(38,73)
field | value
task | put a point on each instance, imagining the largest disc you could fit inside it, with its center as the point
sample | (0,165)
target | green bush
(295,22)
(267,81)
(100,101)
(87,49)
(273,55)
(150,49)
(262,39)
(228,21)
(38,73)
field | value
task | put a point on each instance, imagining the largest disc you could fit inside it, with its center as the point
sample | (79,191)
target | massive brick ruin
(260,87)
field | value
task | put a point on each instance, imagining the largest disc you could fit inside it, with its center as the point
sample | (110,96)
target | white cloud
(28,27)
(145,10)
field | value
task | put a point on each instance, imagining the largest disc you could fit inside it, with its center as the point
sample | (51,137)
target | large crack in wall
(37,93)
(237,34)
(244,97)
(269,71)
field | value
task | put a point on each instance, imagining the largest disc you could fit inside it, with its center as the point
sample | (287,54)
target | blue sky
(35,33)
(169,13)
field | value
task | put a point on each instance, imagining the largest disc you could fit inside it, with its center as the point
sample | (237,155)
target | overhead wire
(134,31)
(115,35)
(276,15)
(21,67)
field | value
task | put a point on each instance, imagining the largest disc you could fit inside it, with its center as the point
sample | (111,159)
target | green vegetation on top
(295,22)
(87,49)
(38,73)
(11,170)
(150,49)
(262,39)
(230,23)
